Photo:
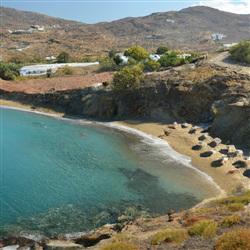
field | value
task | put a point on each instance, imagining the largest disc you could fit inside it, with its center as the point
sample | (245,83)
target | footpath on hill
(223,59)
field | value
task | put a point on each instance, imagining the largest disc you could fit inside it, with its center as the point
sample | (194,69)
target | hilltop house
(170,21)
(154,57)
(49,57)
(218,36)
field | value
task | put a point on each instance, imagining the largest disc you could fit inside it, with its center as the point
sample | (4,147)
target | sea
(61,176)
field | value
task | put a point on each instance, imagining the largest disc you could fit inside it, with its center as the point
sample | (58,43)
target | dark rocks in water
(206,154)
(247,173)
(240,164)
(21,241)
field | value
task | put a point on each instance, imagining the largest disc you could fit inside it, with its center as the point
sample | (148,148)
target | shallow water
(54,181)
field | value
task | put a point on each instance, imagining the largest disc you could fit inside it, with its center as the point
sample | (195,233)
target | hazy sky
(93,11)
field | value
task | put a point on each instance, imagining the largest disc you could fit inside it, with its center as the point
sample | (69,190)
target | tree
(67,70)
(9,71)
(117,59)
(107,64)
(138,53)
(162,50)
(112,53)
(171,59)
(241,52)
(63,57)
(151,65)
(127,78)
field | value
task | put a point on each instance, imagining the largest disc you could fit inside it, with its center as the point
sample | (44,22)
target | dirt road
(223,59)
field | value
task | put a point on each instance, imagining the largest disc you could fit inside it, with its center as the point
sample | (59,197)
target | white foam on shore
(161,144)
(165,149)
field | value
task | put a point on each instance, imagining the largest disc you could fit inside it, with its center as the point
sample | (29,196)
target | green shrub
(67,70)
(9,71)
(127,79)
(234,199)
(171,59)
(63,57)
(162,50)
(241,52)
(107,64)
(247,193)
(151,65)
(235,207)
(204,228)
(237,239)
(193,219)
(205,210)
(121,246)
(136,52)
(170,235)
(123,237)
(230,221)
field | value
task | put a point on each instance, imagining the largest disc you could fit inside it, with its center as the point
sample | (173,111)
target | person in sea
(82,134)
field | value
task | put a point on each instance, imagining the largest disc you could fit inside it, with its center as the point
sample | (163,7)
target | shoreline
(180,141)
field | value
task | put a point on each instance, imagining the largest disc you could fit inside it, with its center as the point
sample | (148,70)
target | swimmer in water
(82,134)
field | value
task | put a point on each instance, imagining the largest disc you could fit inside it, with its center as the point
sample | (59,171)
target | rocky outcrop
(201,93)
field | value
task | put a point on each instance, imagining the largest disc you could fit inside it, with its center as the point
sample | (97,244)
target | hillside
(189,29)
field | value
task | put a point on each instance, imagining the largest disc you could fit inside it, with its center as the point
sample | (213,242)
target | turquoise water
(54,181)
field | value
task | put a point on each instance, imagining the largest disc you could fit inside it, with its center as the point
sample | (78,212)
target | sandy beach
(227,177)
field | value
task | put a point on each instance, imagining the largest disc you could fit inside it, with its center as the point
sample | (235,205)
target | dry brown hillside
(188,29)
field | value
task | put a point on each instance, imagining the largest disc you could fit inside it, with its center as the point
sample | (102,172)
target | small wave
(165,149)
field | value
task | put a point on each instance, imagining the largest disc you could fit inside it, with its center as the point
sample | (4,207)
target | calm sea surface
(54,181)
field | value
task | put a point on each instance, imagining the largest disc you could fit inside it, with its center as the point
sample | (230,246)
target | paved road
(223,59)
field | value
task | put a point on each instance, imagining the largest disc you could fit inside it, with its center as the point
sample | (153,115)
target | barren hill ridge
(189,29)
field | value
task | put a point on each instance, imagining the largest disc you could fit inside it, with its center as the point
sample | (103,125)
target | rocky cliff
(195,93)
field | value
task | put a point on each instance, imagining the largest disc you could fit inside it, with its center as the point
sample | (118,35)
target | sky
(93,11)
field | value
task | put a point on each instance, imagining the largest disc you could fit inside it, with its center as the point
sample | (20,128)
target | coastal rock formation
(194,93)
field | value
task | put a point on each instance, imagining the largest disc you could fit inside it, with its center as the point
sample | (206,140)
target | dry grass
(235,239)
(204,228)
(194,219)
(230,221)
(170,235)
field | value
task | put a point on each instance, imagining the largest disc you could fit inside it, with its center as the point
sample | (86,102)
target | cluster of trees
(9,71)
(130,74)
(241,52)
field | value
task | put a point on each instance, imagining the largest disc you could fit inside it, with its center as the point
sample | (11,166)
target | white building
(38,70)
(228,45)
(218,36)
(49,57)
(154,57)
(170,21)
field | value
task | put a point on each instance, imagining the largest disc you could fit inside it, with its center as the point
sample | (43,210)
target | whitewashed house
(218,36)
(154,57)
